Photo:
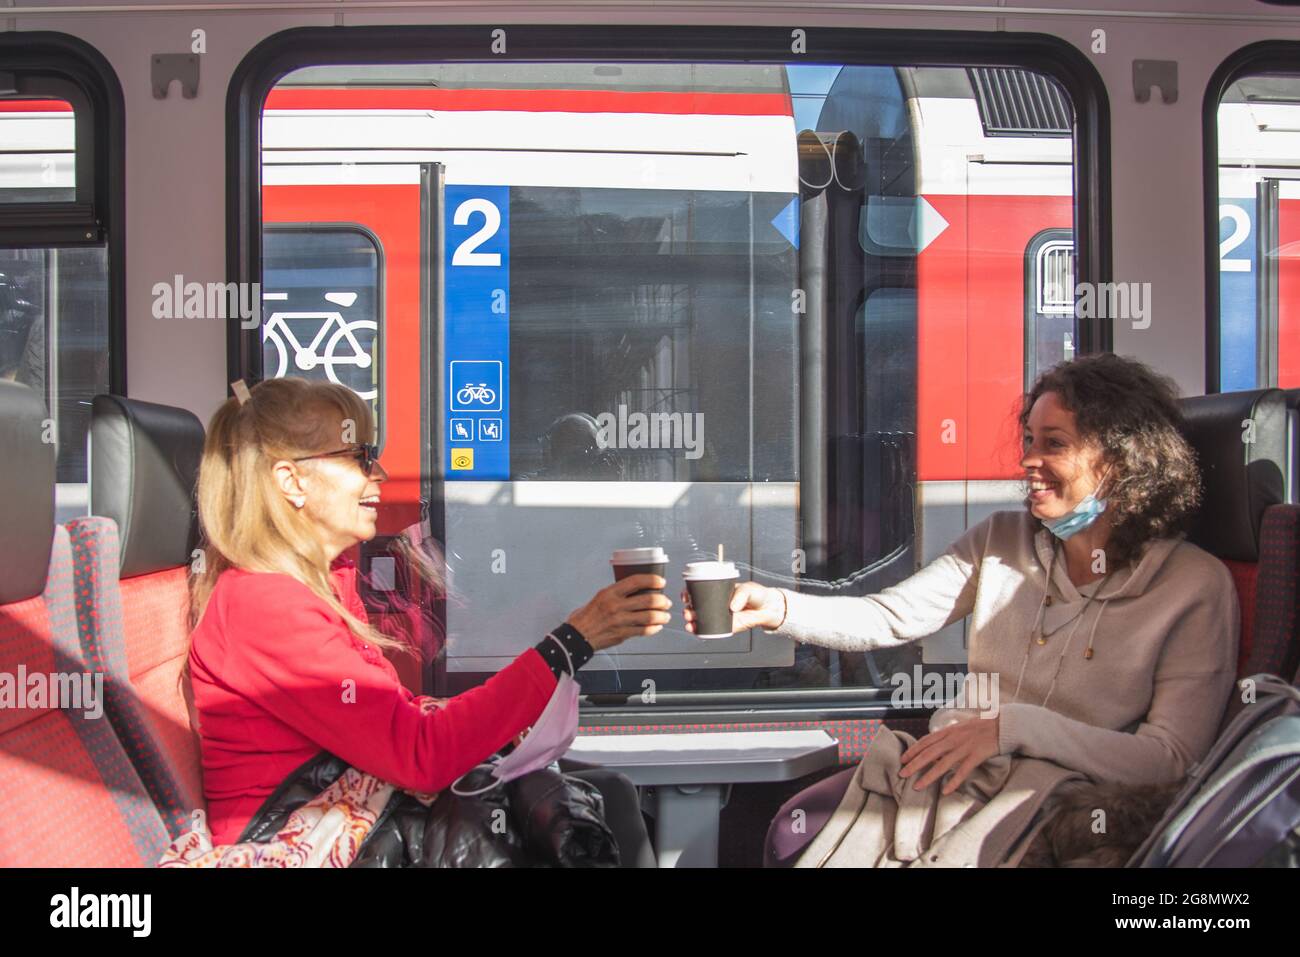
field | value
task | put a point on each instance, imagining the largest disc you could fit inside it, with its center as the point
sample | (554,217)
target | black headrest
(27,489)
(1241,478)
(144,465)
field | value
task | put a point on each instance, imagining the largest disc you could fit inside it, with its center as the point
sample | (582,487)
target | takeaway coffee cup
(709,585)
(639,561)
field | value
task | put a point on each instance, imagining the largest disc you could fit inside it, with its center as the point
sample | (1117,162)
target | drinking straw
(719,551)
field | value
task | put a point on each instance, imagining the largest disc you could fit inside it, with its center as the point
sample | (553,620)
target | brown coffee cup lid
(639,556)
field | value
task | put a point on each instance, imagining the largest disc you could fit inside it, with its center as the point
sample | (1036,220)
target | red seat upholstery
(136,631)
(68,794)
(155,620)
(1269,591)
(132,565)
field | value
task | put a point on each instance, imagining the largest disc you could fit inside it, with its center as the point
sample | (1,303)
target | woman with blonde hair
(283,663)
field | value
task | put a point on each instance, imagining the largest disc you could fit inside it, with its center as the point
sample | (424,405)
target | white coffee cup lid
(638,556)
(706,571)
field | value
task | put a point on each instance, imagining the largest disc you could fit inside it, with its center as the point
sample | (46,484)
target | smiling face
(1060,468)
(336,494)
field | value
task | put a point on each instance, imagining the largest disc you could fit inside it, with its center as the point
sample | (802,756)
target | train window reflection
(745,305)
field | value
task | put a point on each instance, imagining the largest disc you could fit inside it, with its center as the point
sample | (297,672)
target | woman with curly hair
(1111,641)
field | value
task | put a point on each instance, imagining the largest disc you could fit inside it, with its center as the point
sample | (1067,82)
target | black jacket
(543,819)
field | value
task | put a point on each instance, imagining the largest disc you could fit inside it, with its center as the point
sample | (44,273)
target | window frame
(60,66)
(1265,57)
(296,48)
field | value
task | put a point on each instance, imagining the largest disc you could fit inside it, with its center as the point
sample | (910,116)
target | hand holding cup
(631,607)
(752,606)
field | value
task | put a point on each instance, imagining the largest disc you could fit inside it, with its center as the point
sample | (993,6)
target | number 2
(1241,229)
(465,254)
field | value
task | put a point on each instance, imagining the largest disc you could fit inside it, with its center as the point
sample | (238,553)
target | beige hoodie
(1147,704)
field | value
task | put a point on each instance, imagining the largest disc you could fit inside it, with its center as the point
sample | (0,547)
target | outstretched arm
(304,668)
(939,594)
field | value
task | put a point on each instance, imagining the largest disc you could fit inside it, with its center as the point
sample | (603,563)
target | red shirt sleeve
(292,655)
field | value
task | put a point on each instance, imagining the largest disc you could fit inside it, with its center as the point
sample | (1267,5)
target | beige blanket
(883,821)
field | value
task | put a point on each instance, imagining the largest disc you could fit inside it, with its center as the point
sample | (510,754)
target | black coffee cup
(639,561)
(710,585)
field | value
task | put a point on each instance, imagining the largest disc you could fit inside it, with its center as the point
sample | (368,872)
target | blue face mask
(1079,517)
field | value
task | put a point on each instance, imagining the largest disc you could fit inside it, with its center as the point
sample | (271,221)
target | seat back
(1242,448)
(1292,399)
(69,796)
(133,563)
(1275,645)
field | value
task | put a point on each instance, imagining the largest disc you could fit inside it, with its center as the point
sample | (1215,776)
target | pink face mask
(550,738)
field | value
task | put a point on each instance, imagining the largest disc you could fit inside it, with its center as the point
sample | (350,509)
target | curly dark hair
(1131,411)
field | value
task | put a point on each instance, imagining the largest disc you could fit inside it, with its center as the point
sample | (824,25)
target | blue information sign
(1237,294)
(476,343)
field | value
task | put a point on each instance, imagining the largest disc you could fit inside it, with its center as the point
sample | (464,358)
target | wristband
(565,650)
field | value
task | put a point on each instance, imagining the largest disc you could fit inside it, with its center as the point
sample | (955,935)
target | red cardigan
(278,677)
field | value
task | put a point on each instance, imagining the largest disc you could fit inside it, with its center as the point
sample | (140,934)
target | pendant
(1049,601)
(1088,653)
(1042,640)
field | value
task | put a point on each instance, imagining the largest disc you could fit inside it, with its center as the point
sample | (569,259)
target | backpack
(1240,806)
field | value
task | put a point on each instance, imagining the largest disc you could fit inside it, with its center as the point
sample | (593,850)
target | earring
(299,502)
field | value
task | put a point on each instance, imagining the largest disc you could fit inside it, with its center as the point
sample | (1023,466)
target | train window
(1259,233)
(774,308)
(54,338)
(322,307)
(60,197)
(37,151)
(1049,302)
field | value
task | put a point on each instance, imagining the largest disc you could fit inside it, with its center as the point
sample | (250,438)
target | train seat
(1293,444)
(69,796)
(132,564)
(1244,522)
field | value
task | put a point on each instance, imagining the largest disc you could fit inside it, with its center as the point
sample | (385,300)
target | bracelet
(567,656)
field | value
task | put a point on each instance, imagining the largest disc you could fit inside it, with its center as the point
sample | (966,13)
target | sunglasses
(367,456)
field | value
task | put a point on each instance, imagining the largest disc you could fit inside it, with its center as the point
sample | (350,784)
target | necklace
(1042,638)
(1038,632)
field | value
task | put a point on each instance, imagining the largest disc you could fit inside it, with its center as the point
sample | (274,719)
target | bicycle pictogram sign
(475,386)
(342,348)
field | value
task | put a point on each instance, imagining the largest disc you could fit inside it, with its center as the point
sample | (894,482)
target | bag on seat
(542,819)
(1240,806)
